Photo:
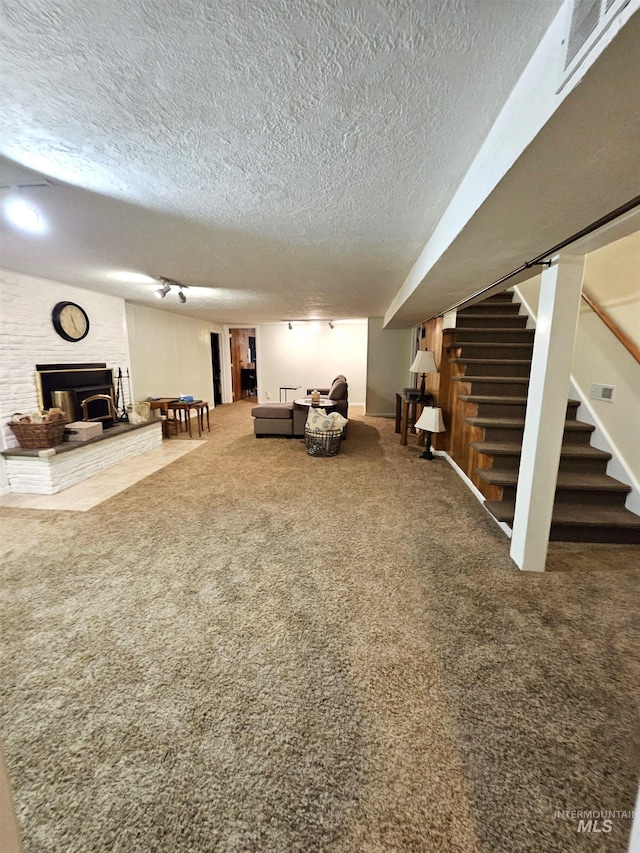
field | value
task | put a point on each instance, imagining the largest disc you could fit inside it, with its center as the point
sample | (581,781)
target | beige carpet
(257,650)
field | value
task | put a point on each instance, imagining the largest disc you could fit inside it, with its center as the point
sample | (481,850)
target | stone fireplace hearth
(54,469)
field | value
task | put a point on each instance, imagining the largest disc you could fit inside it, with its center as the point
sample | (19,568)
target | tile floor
(107,483)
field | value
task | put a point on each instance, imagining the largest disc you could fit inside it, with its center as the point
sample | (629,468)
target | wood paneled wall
(430,337)
(455,441)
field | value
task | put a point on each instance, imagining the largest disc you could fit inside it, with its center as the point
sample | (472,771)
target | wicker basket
(323,442)
(39,435)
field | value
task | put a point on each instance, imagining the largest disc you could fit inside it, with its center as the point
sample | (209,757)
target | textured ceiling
(582,165)
(290,158)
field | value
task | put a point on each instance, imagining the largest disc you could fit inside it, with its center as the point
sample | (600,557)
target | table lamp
(430,421)
(423,363)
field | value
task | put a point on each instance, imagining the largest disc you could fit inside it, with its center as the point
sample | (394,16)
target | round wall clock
(70,321)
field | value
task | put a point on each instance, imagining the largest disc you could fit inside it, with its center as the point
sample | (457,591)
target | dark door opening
(215,366)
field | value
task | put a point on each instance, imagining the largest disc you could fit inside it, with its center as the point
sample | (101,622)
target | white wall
(389,354)
(612,277)
(171,355)
(27,337)
(599,358)
(311,355)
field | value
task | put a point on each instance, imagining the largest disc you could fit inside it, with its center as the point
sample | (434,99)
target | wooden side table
(201,407)
(407,413)
(163,404)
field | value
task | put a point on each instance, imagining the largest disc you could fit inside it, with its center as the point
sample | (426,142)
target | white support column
(546,410)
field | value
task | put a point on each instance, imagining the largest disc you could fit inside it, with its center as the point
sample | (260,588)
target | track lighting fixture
(315,323)
(167,284)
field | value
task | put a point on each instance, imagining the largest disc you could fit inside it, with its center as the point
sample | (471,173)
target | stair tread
(578,514)
(515,423)
(483,398)
(521,380)
(469,312)
(509,329)
(493,361)
(520,361)
(566,480)
(492,344)
(491,306)
(514,448)
(508,400)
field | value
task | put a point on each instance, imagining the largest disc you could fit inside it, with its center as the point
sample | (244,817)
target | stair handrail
(611,324)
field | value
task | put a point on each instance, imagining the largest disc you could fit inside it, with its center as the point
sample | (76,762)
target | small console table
(284,389)
(408,411)
(166,404)
(201,407)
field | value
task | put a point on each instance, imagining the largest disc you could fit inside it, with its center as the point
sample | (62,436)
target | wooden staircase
(489,366)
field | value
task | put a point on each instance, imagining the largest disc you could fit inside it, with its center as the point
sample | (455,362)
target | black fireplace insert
(67,385)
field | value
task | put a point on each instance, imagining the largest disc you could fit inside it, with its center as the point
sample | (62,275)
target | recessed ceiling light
(24,215)
(135,277)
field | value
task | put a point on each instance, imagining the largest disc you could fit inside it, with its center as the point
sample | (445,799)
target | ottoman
(273,419)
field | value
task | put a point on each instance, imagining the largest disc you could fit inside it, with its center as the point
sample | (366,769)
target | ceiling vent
(589,21)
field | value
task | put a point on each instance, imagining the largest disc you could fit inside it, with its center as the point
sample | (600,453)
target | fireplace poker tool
(121,403)
(128,381)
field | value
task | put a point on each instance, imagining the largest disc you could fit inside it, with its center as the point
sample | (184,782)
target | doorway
(216,369)
(243,363)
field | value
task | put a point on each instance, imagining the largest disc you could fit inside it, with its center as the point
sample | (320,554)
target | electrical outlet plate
(602,392)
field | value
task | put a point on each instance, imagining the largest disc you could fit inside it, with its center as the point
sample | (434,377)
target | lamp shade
(424,362)
(430,420)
